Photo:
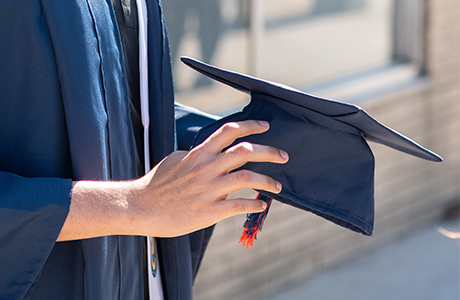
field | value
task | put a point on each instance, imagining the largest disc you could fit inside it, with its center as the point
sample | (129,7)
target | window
(319,46)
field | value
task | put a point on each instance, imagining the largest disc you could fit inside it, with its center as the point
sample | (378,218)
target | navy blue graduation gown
(64,116)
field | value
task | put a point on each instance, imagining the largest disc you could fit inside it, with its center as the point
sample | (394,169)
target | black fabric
(64,114)
(126,15)
(331,167)
(188,121)
(127,20)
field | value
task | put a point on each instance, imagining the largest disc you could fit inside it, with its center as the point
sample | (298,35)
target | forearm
(98,208)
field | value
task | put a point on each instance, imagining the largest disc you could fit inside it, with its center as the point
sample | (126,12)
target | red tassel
(254,223)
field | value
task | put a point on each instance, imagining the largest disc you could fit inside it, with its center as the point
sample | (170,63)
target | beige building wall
(410,192)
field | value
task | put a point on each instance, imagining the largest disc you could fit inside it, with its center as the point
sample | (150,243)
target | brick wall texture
(410,192)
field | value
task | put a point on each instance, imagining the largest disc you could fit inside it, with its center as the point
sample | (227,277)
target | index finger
(229,132)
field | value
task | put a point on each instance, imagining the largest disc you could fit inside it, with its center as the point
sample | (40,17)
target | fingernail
(283,154)
(263,123)
(278,186)
(264,205)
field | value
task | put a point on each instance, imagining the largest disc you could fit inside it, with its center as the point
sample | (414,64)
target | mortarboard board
(331,167)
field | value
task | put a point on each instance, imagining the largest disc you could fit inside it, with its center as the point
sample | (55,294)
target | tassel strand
(254,223)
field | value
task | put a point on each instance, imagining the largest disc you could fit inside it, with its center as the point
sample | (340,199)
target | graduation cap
(331,167)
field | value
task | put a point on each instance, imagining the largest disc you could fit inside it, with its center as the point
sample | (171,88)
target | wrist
(99,208)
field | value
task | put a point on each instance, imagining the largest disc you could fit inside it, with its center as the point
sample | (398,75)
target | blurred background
(400,61)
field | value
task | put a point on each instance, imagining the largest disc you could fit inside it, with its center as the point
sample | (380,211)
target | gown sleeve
(32,212)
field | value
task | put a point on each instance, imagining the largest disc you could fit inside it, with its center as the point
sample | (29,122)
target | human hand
(187,191)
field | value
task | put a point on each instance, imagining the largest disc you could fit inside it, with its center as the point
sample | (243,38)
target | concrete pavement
(422,266)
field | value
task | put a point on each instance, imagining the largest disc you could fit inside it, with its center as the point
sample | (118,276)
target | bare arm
(185,192)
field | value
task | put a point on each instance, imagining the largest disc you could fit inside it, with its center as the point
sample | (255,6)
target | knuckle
(238,206)
(200,154)
(194,153)
(270,181)
(267,183)
(230,128)
(198,171)
(243,176)
(242,149)
(273,151)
